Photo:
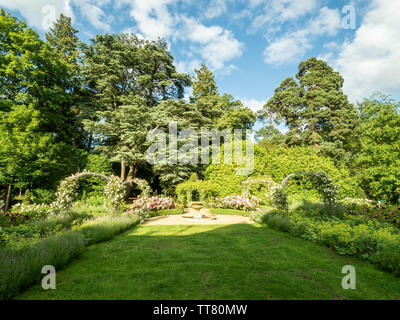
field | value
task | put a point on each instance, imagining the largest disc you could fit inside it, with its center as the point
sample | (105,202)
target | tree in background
(224,111)
(62,38)
(33,101)
(269,135)
(378,162)
(129,77)
(316,110)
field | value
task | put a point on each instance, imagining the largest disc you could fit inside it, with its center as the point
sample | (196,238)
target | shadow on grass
(213,262)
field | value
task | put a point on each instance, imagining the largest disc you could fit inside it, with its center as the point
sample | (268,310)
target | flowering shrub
(319,180)
(21,213)
(239,202)
(384,213)
(34,211)
(142,185)
(115,193)
(67,191)
(153,203)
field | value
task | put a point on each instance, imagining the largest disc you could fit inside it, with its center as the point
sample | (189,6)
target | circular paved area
(177,219)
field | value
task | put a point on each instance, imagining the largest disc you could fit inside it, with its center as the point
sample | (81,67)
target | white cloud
(215,8)
(254,104)
(294,45)
(32,10)
(93,13)
(279,11)
(287,49)
(216,45)
(371,61)
(187,66)
(152,17)
(41,13)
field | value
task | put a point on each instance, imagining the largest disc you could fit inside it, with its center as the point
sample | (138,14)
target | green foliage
(99,164)
(37,123)
(370,240)
(22,267)
(204,84)
(104,228)
(316,110)
(278,163)
(62,37)
(196,190)
(43,196)
(378,162)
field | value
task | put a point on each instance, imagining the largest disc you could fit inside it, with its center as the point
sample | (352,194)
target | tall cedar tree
(316,110)
(129,77)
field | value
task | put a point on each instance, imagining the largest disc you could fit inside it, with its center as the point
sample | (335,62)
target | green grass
(213,262)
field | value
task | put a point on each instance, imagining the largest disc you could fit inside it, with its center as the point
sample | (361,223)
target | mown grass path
(213,262)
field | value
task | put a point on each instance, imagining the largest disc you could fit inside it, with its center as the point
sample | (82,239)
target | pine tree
(204,84)
(62,37)
(316,110)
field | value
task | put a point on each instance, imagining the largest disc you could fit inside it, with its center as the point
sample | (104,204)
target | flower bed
(238,202)
(154,203)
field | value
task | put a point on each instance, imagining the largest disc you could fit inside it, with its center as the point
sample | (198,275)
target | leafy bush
(32,232)
(22,267)
(167,212)
(278,163)
(23,213)
(385,213)
(318,209)
(205,190)
(43,196)
(237,202)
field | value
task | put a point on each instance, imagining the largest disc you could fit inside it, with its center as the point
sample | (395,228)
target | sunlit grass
(213,262)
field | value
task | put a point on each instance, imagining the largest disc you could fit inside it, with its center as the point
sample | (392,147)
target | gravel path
(178,220)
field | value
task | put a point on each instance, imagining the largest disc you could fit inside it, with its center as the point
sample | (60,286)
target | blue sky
(253,45)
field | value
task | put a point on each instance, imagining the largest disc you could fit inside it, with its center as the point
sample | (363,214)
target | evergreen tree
(316,110)
(128,73)
(62,37)
(204,84)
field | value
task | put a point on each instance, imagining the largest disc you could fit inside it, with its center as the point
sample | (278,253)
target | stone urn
(197,206)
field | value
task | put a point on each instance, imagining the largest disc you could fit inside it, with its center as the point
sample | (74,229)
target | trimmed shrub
(279,162)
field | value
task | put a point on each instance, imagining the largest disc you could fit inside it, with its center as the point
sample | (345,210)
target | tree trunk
(123,170)
(8,198)
(131,175)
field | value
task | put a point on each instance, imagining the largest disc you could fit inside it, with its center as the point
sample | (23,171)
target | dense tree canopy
(65,104)
(37,125)
(315,110)
(378,162)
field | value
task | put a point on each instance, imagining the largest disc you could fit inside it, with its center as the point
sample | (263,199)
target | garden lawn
(213,262)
